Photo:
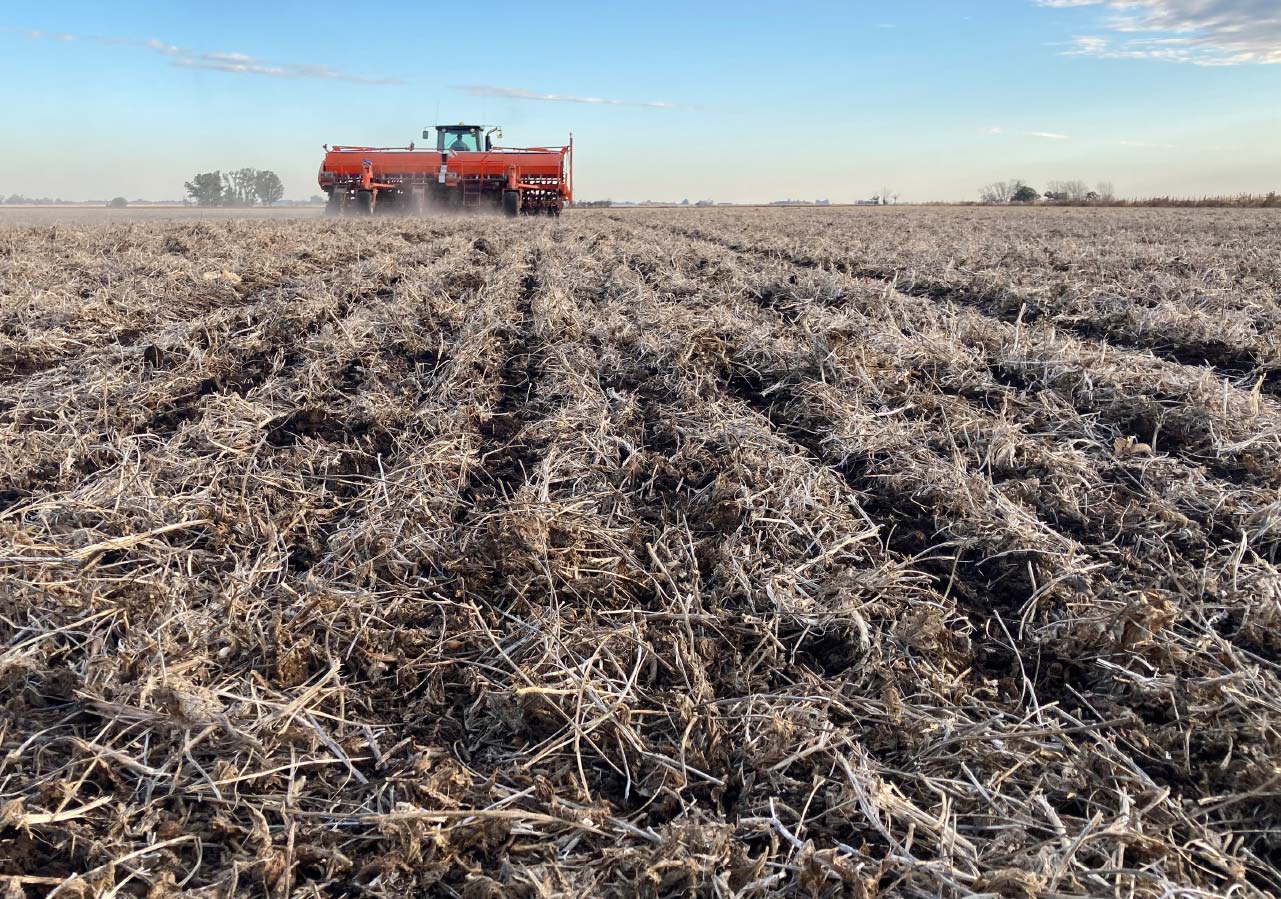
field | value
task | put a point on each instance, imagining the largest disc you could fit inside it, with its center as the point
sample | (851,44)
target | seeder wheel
(364,202)
(511,202)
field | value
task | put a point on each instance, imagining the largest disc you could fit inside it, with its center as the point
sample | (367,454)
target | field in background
(101,215)
(837,552)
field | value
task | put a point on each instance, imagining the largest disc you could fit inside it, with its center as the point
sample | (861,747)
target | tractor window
(461,141)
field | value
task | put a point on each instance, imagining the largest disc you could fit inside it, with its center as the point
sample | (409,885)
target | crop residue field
(728,552)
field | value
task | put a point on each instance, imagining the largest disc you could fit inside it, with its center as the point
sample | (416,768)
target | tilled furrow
(1234,432)
(1187,339)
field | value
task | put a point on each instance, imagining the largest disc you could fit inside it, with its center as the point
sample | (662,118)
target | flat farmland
(730,552)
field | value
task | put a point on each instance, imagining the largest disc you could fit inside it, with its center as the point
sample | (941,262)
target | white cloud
(1201,32)
(235,63)
(229,57)
(520,93)
(162,47)
(37,34)
(1047,135)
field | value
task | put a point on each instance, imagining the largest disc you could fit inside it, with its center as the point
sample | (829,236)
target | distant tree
(268,187)
(118,203)
(1025,194)
(1000,191)
(1105,190)
(206,188)
(238,187)
(1076,190)
(684,202)
(316,198)
(1070,190)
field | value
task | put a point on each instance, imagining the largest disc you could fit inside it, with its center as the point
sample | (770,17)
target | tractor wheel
(334,206)
(364,202)
(511,202)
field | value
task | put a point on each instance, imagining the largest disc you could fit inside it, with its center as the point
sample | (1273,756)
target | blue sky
(728,101)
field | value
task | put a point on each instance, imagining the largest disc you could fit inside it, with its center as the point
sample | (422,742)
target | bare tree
(1105,190)
(1076,190)
(1002,191)
(998,191)
(1067,190)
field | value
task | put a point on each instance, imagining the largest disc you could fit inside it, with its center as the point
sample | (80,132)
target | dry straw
(768,553)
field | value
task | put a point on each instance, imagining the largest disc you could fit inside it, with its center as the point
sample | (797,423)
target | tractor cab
(462,138)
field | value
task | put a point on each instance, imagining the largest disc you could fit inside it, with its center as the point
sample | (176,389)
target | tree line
(243,187)
(20,200)
(1016,191)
